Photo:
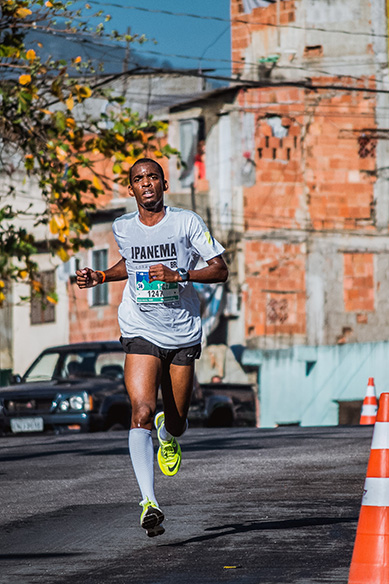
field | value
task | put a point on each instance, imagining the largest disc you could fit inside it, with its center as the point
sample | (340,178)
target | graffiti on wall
(277,311)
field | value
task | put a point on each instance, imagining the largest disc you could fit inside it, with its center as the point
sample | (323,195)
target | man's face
(147,186)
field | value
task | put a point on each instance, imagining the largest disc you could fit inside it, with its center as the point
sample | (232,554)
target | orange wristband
(103,274)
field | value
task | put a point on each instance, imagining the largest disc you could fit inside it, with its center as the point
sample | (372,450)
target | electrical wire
(96,45)
(238,20)
(212,44)
(240,220)
(229,79)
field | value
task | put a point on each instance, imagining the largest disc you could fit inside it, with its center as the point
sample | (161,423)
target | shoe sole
(152,519)
(159,530)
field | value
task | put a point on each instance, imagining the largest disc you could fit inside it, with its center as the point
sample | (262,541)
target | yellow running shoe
(169,452)
(151,518)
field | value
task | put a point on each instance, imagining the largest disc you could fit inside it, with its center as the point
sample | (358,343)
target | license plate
(26,424)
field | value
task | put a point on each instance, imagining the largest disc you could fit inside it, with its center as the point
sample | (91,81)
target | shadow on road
(237,528)
(38,556)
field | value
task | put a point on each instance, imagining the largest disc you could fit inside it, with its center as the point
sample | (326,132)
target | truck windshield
(76,364)
(43,369)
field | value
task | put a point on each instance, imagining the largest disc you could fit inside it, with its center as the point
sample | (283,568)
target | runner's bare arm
(216,271)
(87,278)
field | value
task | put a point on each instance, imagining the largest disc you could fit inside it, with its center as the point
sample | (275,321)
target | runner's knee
(142,415)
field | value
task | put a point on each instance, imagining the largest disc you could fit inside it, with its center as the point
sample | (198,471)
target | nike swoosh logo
(171,468)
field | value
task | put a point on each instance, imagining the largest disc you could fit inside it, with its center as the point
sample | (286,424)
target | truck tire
(221,418)
(118,418)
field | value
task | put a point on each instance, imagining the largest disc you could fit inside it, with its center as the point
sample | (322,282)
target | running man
(159,319)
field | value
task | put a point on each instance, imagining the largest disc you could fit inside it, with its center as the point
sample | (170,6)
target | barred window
(100,292)
(43,311)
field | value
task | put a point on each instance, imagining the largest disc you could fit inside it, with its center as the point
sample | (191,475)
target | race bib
(155,291)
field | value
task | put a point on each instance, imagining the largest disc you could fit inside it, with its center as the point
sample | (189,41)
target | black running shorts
(139,346)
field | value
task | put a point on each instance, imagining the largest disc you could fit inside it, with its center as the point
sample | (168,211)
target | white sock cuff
(139,431)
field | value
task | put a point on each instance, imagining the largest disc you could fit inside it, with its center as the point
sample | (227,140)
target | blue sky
(203,41)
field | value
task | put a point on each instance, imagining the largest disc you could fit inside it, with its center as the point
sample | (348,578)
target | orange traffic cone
(370,561)
(369,406)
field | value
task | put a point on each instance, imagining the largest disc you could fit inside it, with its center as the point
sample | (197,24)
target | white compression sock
(142,457)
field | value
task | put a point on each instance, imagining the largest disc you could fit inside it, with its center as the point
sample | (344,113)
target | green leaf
(60,120)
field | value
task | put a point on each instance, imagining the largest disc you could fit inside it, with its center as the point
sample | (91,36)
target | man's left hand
(163,273)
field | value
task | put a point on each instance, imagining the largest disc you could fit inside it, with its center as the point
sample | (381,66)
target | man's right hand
(87,278)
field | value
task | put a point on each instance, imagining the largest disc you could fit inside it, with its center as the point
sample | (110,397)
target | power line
(238,20)
(213,43)
(111,46)
(250,63)
(261,84)
(243,84)
(310,71)
(254,64)
(250,84)
(239,219)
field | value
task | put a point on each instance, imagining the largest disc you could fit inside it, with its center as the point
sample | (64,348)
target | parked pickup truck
(223,404)
(80,387)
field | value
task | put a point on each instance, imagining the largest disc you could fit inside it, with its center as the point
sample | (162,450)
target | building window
(192,141)
(100,292)
(43,311)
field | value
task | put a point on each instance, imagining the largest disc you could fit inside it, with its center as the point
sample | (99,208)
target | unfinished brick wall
(316,168)
(358,283)
(278,195)
(340,159)
(275,296)
(315,174)
(275,271)
(244,25)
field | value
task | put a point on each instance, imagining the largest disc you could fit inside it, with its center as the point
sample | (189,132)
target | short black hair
(141,161)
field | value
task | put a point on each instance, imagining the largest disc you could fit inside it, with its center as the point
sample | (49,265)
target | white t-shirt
(167,314)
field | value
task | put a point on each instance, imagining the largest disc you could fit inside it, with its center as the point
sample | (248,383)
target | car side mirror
(16,378)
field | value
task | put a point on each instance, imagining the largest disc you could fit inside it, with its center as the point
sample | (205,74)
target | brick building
(315,215)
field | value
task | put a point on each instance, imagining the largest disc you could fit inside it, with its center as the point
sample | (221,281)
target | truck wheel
(118,418)
(221,418)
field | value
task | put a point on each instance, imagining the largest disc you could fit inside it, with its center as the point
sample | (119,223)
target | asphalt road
(248,506)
